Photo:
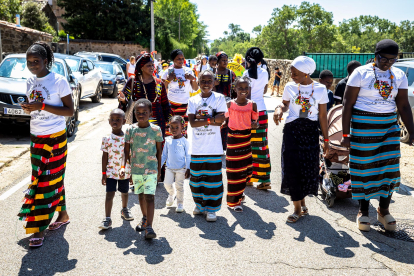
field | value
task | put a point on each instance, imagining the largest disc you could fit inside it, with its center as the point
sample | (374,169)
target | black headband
(175,53)
(38,49)
(387,46)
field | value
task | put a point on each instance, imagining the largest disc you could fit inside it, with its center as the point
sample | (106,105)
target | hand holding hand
(121,97)
(346,142)
(277,116)
(255,124)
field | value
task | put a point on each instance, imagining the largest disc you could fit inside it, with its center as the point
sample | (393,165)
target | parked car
(90,55)
(106,57)
(89,77)
(13,75)
(113,78)
(408,68)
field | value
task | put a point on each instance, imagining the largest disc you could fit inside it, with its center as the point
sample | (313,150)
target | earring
(306,76)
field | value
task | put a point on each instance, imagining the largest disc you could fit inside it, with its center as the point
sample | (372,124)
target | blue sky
(218,14)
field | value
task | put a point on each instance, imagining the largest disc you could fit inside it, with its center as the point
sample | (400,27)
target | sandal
(56,225)
(249,183)
(142,225)
(293,218)
(386,220)
(305,211)
(238,209)
(33,242)
(363,223)
(264,186)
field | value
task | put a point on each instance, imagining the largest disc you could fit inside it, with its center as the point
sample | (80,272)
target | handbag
(129,114)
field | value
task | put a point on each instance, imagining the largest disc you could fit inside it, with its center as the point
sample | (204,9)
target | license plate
(15,111)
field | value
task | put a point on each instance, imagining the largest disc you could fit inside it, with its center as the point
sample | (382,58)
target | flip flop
(264,186)
(293,218)
(56,225)
(34,240)
(238,209)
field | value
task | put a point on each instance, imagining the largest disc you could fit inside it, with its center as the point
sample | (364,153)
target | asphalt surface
(255,242)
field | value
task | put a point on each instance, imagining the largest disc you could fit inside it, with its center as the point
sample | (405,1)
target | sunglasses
(387,60)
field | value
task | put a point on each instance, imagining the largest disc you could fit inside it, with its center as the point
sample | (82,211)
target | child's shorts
(145,183)
(276,83)
(123,185)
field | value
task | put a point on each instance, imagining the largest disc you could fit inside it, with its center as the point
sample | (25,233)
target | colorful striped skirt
(178,109)
(238,164)
(46,193)
(206,182)
(260,151)
(375,154)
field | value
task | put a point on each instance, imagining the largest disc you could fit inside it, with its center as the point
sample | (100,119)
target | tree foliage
(235,41)
(33,17)
(9,9)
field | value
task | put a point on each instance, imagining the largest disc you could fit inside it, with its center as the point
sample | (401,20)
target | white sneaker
(211,216)
(170,200)
(197,211)
(180,208)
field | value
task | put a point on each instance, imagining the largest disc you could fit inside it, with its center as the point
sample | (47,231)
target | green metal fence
(336,63)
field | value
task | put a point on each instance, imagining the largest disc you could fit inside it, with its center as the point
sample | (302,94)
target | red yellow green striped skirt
(46,193)
(178,109)
(238,164)
(260,151)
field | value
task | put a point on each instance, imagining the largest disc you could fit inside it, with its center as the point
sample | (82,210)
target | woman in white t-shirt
(181,82)
(49,100)
(260,149)
(306,101)
(130,67)
(203,66)
(373,94)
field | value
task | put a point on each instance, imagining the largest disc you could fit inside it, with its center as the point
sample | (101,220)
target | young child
(206,115)
(242,117)
(177,154)
(112,159)
(326,78)
(276,83)
(212,62)
(144,141)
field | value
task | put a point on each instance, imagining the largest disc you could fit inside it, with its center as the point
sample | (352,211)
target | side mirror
(71,78)
(119,74)
(85,71)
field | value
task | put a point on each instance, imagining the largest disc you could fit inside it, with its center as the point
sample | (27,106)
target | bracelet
(167,81)
(346,135)
(103,173)
(208,121)
(122,167)
(43,106)
(326,140)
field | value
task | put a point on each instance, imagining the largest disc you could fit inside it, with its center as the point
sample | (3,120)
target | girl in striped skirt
(49,100)
(242,117)
(373,93)
(206,115)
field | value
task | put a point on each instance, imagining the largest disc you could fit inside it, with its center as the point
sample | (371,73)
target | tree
(33,17)
(9,9)
(257,30)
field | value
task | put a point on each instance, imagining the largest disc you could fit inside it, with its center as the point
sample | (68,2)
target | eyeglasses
(387,60)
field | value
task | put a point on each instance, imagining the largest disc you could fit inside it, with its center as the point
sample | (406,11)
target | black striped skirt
(260,151)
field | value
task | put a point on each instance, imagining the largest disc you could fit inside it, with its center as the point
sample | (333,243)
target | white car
(88,75)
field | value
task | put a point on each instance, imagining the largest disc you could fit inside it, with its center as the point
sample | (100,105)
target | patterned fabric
(226,84)
(260,151)
(46,193)
(238,164)
(179,109)
(143,144)
(300,159)
(145,184)
(206,182)
(375,154)
(161,111)
(114,146)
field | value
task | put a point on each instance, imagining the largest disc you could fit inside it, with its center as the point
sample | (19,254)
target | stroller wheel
(330,201)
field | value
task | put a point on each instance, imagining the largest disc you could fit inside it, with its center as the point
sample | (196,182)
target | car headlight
(107,82)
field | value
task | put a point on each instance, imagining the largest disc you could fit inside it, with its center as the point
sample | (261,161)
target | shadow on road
(49,259)
(153,250)
(267,200)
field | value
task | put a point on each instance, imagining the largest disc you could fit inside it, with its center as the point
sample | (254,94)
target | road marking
(25,181)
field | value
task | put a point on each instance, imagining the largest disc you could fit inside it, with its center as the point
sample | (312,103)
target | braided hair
(243,79)
(42,49)
(177,118)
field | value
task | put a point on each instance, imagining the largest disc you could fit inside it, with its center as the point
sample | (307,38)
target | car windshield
(93,58)
(73,64)
(16,67)
(105,67)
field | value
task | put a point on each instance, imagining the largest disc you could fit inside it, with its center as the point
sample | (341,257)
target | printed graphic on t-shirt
(181,82)
(36,96)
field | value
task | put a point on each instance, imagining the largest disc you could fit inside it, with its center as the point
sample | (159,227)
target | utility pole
(152,42)
(179,28)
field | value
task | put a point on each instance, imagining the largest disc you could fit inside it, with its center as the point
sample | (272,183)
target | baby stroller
(335,166)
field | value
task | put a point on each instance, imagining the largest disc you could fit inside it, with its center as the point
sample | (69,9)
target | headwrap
(387,46)
(220,55)
(304,64)
(238,58)
(175,53)
(254,56)
(141,60)
(204,57)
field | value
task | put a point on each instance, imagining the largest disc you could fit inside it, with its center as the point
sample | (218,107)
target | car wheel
(98,96)
(71,124)
(404,136)
(114,92)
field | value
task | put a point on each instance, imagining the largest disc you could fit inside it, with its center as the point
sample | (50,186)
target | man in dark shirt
(276,83)
(340,87)
(326,78)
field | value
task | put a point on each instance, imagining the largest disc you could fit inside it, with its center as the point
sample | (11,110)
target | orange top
(240,117)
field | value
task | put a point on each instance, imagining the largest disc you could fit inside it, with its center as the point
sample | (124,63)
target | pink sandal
(56,225)
(32,240)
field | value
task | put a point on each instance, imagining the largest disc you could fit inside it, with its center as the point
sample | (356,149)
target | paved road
(255,242)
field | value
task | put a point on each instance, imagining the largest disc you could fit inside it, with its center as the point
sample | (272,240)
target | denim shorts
(123,185)
(277,82)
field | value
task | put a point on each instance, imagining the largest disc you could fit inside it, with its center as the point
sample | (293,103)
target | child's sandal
(293,218)
(264,186)
(305,211)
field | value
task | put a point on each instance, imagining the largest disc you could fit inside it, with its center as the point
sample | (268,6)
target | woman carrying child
(242,117)
(206,115)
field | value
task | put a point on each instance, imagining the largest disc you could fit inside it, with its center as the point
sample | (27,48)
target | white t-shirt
(114,146)
(320,96)
(258,86)
(179,89)
(49,90)
(206,140)
(201,68)
(131,68)
(369,98)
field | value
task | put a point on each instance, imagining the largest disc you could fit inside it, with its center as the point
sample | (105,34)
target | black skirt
(300,159)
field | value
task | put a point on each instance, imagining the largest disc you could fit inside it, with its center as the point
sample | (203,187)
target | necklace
(158,86)
(383,89)
(206,99)
(304,102)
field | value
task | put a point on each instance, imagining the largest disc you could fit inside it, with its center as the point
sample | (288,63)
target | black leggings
(384,203)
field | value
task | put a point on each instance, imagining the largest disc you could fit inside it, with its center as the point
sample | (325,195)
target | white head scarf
(304,64)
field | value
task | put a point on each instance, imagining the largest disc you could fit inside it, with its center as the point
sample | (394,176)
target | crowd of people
(181,124)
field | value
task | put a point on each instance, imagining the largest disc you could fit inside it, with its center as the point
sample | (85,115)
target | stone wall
(284,67)
(123,48)
(18,39)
